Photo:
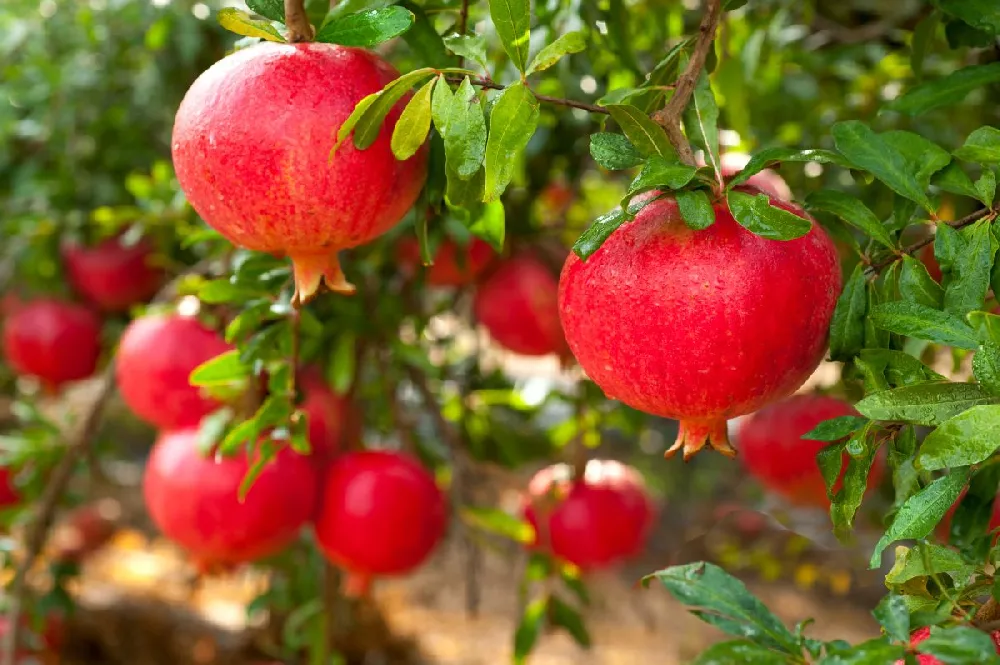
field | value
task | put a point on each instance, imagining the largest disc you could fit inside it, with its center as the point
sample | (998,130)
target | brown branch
(670,115)
(297,22)
(920,244)
(463,25)
(559,101)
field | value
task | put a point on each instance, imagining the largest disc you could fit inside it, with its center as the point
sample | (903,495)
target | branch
(670,115)
(559,101)
(917,246)
(297,22)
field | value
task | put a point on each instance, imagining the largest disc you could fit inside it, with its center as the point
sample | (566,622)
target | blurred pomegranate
(84,530)
(453,265)
(112,275)
(325,412)
(9,496)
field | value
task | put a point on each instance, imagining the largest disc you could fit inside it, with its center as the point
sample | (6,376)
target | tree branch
(297,22)
(917,246)
(670,115)
(559,101)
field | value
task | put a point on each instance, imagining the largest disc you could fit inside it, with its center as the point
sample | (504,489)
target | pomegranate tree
(591,522)
(700,326)
(773,451)
(155,359)
(273,186)
(194,500)
(380,513)
(54,341)
(518,305)
(111,275)
(454,265)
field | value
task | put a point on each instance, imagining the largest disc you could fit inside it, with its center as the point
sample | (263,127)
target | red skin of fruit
(57,342)
(700,326)
(325,413)
(9,496)
(380,514)
(592,523)
(271,185)
(194,500)
(446,270)
(518,305)
(773,451)
(921,634)
(155,358)
(111,275)
(930,262)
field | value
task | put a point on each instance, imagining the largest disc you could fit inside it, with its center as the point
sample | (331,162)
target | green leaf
(370,120)
(464,131)
(529,629)
(835,429)
(980,14)
(970,523)
(913,320)
(982,146)
(512,20)
(966,290)
(613,151)
(959,34)
(701,119)
(921,513)
(723,601)
(423,39)
(923,404)
(571,42)
(223,368)
(965,439)
(212,428)
(916,285)
(414,123)
(955,180)
(564,616)
(873,652)
(757,215)
(928,560)
(341,368)
(852,211)
(861,450)
(738,651)
(472,47)
(923,36)
(498,522)
(658,173)
(986,325)
(491,225)
(894,617)
(924,158)
(947,246)
(946,91)
(514,118)
(868,151)
(603,227)
(847,328)
(772,156)
(960,645)
(986,187)
(986,367)
(901,369)
(219,291)
(242,23)
(696,209)
(830,461)
(647,136)
(269,9)
(368,28)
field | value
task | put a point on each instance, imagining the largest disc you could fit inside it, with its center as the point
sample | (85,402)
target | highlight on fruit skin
(277,186)
(700,326)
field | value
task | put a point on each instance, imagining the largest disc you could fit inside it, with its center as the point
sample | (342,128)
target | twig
(295,321)
(559,101)
(463,25)
(920,244)
(670,115)
(297,22)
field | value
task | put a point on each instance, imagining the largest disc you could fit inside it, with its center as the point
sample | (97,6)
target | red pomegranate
(518,305)
(921,634)
(453,265)
(700,326)
(274,186)
(9,496)
(156,356)
(194,500)
(774,452)
(111,275)
(54,341)
(594,522)
(325,412)
(380,514)
(931,262)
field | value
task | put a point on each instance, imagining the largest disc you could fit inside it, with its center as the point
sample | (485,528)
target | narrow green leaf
(923,404)
(847,328)
(212,428)
(893,615)
(960,645)
(923,36)
(571,42)
(861,449)
(564,616)
(928,560)
(971,521)
(701,120)
(948,244)
(986,187)
(367,28)
(873,652)
(498,522)
(465,131)
(921,513)
(757,215)
(529,629)
(613,151)
(852,211)
(491,225)
(423,39)
(744,652)
(514,119)
(512,20)
(982,146)
(986,367)
(269,9)
(471,47)
(986,325)
(868,151)
(242,23)
(352,120)
(218,291)
(913,320)
(696,208)
(965,439)
(369,122)
(414,123)
(602,228)
(659,173)
(772,156)
(955,180)
(924,158)
(946,91)
(223,368)
(916,285)
(966,290)
(341,368)
(980,14)
(900,369)
(830,461)
(835,429)
(647,136)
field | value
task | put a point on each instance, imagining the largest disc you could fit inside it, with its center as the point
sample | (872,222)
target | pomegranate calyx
(314,270)
(693,435)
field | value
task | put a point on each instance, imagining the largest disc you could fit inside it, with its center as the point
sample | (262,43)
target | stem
(917,246)
(670,115)
(297,22)
(483,82)
(295,321)
(463,26)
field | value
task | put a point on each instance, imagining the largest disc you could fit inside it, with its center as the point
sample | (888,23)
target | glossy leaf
(898,368)
(966,291)
(701,120)
(862,450)
(414,123)
(772,156)
(224,368)
(835,429)
(571,42)
(955,180)
(471,47)
(923,404)
(603,227)
(847,328)
(373,109)
(924,158)
(867,150)
(242,23)
(852,211)
(965,439)
(368,28)
(614,151)
(512,20)
(696,208)
(757,215)
(986,367)
(464,131)
(986,325)
(492,225)
(647,136)
(946,91)
(893,615)
(514,118)
(913,320)
(927,560)
(960,645)
(917,286)
(982,146)
(269,9)
(660,173)
(980,14)
(737,651)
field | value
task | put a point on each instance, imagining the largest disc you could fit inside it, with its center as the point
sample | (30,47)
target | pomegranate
(53,341)
(155,359)
(9,496)
(591,523)
(111,275)
(774,452)
(453,265)
(921,634)
(700,326)
(518,305)
(194,500)
(325,413)
(273,186)
(380,514)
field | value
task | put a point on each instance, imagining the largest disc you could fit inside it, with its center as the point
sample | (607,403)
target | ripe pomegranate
(921,634)
(931,263)
(380,514)
(155,358)
(518,305)
(194,500)
(54,341)
(453,265)
(325,412)
(111,275)
(9,496)
(700,326)
(273,186)
(593,522)
(774,452)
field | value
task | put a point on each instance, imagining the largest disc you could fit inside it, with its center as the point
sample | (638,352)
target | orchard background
(517,133)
